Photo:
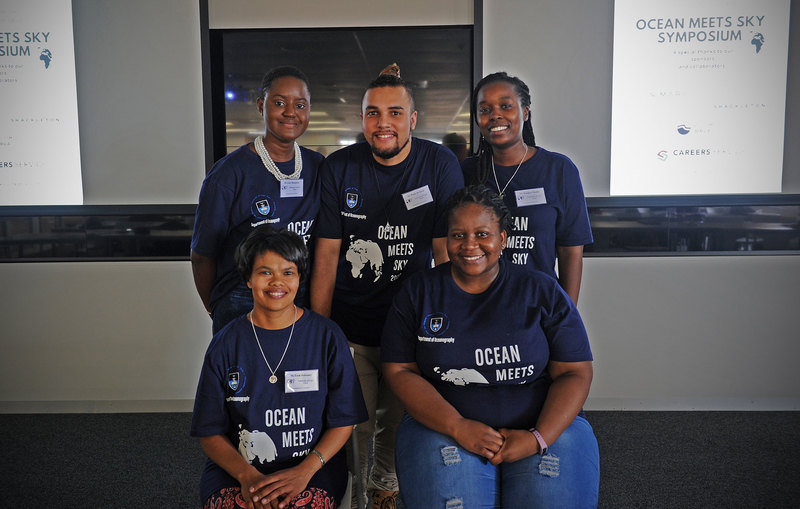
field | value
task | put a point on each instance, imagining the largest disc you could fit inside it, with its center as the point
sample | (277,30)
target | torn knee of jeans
(454,503)
(549,466)
(450,456)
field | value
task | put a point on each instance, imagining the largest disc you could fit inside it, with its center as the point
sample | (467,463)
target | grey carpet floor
(648,459)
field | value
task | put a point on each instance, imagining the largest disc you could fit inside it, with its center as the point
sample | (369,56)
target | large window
(436,61)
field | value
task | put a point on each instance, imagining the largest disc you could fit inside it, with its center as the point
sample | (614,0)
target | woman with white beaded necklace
(542,189)
(278,394)
(269,181)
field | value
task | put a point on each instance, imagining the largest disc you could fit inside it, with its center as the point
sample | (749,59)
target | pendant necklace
(270,165)
(502,191)
(273,378)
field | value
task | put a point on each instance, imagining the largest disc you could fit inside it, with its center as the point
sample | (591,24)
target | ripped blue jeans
(434,472)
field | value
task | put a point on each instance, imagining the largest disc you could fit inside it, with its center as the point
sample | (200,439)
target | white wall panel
(349,13)
(667,333)
(110,336)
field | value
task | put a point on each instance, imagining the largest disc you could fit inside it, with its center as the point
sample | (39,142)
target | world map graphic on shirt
(362,254)
(463,376)
(256,445)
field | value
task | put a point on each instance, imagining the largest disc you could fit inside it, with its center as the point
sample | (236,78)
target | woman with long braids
(541,188)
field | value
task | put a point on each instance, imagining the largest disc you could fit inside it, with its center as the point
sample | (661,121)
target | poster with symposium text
(698,96)
(39,144)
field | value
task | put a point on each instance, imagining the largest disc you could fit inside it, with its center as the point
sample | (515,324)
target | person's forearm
(421,400)
(323,275)
(424,403)
(220,450)
(570,270)
(329,444)
(204,271)
(565,398)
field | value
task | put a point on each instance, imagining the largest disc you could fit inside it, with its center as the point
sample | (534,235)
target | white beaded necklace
(270,165)
(273,378)
(502,191)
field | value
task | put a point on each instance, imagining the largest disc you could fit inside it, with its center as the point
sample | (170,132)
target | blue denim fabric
(238,302)
(435,472)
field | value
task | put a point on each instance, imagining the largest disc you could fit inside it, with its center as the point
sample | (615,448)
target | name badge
(305,380)
(417,197)
(292,188)
(527,197)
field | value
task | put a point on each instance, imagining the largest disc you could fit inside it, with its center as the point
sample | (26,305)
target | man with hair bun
(381,219)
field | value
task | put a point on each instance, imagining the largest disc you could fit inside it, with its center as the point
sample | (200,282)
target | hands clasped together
(274,490)
(498,446)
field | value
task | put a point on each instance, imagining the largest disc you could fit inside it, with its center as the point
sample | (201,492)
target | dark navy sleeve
(345,405)
(566,334)
(211,219)
(573,228)
(398,342)
(450,180)
(469,167)
(210,415)
(329,222)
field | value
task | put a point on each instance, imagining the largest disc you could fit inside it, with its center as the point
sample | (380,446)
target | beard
(390,152)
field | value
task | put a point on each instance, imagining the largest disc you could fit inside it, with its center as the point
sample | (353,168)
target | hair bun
(391,70)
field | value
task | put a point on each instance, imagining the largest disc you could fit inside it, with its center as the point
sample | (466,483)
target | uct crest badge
(236,378)
(262,206)
(352,199)
(233,380)
(436,323)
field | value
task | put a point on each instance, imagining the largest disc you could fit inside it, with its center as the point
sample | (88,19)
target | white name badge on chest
(526,197)
(292,188)
(417,197)
(305,380)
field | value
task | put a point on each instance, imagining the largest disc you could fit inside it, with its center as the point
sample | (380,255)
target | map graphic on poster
(699,96)
(39,144)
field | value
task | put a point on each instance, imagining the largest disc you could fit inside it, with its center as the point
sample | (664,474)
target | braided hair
(483,196)
(484,152)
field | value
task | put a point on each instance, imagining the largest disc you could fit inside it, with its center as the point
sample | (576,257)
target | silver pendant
(273,379)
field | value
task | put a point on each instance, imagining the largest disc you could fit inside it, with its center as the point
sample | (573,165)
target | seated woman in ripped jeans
(493,366)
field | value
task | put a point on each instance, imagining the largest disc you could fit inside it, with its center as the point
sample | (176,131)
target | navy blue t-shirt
(547,204)
(386,217)
(486,353)
(238,195)
(274,426)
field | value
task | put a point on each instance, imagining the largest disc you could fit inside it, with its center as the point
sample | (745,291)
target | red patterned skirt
(309,498)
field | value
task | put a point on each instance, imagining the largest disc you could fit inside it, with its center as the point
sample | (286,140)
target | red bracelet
(542,443)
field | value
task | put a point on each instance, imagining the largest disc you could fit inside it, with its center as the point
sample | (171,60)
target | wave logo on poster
(698,96)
